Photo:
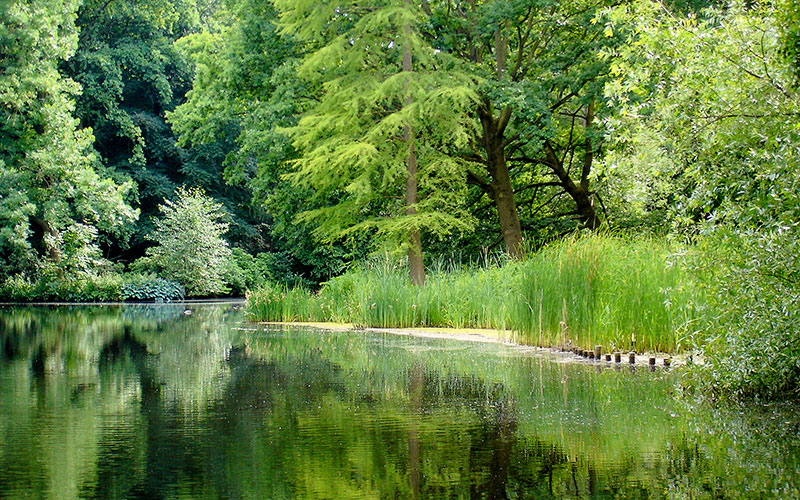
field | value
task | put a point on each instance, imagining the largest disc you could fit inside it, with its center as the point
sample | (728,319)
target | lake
(147,402)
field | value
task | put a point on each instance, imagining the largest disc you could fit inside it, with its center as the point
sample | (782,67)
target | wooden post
(617,357)
(652,361)
(631,357)
(608,358)
(598,349)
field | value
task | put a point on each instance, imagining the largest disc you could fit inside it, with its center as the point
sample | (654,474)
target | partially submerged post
(631,357)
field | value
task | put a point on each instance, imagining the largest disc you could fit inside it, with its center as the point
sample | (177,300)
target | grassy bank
(596,289)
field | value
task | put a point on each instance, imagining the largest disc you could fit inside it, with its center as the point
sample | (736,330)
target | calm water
(144,402)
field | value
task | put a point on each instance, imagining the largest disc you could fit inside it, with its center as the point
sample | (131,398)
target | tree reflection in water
(146,403)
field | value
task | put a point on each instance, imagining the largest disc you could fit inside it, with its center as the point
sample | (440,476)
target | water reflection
(144,402)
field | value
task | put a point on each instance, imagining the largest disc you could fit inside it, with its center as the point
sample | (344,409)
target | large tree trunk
(50,238)
(506,206)
(415,261)
(501,191)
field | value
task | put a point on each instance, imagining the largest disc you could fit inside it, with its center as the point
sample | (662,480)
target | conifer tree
(373,139)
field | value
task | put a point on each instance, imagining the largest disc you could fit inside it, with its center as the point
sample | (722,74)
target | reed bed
(596,289)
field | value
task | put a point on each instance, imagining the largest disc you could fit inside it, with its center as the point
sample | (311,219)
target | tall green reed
(601,289)
(586,290)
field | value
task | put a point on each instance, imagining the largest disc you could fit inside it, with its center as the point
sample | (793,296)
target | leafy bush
(752,345)
(247,272)
(17,288)
(101,288)
(190,248)
(109,287)
(150,287)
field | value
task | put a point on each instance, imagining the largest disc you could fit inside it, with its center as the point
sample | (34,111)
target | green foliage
(248,272)
(145,287)
(245,91)
(133,75)
(372,115)
(711,101)
(54,207)
(245,272)
(789,20)
(752,344)
(619,293)
(92,288)
(189,245)
(105,287)
(707,117)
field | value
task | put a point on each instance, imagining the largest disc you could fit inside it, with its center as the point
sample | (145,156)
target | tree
(53,204)
(133,75)
(372,141)
(541,103)
(714,94)
(189,247)
(245,90)
(789,21)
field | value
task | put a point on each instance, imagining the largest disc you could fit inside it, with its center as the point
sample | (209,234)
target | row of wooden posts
(597,354)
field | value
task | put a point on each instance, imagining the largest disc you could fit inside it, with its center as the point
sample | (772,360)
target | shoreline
(504,337)
(196,302)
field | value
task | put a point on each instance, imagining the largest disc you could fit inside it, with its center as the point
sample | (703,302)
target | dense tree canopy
(132,74)
(54,206)
(540,108)
(709,130)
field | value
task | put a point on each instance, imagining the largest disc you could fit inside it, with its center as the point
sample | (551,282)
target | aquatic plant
(586,290)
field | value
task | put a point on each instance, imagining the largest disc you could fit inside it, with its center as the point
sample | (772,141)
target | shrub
(752,344)
(190,248)
(89,288)
(151,287)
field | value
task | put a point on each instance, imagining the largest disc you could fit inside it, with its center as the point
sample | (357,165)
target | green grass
(606,290)
(618,293)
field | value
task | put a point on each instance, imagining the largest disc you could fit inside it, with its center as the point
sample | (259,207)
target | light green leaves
(48,184)
(354,141)
(189,244)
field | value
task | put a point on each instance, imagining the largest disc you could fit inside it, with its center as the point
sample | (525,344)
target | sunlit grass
(596,289)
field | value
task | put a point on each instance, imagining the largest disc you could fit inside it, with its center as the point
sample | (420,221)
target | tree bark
(501,190)
(580,194)
(416,264)
(415,261)
(49,240)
